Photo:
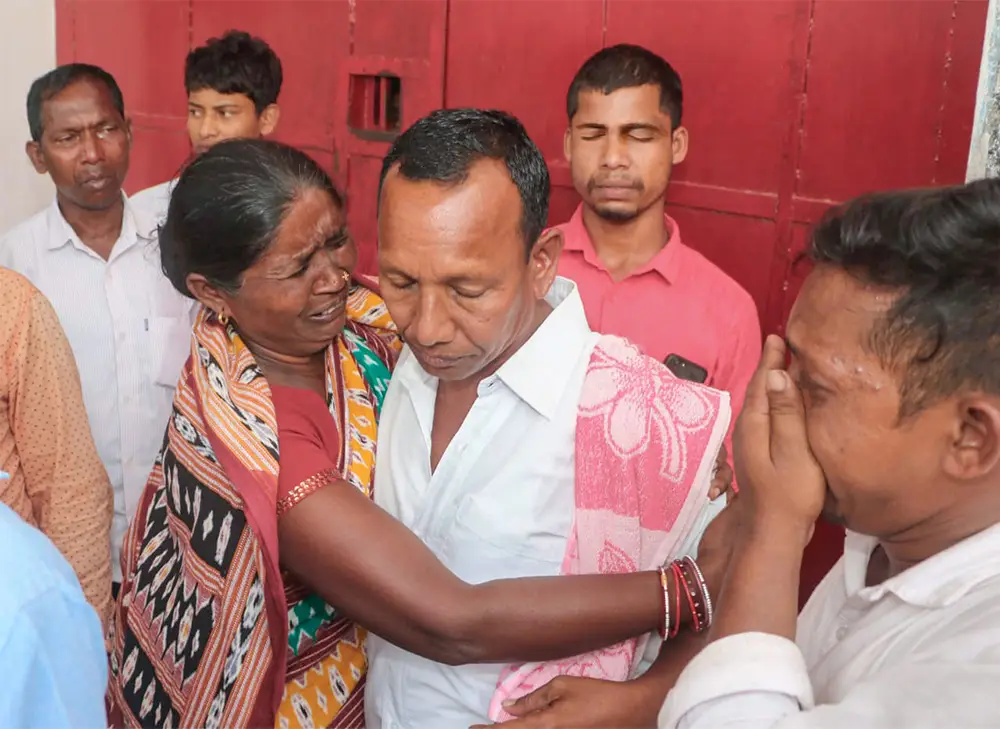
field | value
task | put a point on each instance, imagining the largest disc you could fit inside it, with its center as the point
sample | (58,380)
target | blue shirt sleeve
(54,667)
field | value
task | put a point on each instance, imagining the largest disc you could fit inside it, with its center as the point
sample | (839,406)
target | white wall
(984,152)
(27,50)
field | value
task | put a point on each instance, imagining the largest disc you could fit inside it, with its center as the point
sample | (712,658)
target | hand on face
(778,474)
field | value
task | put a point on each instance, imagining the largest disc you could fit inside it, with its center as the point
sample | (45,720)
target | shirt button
(842,632)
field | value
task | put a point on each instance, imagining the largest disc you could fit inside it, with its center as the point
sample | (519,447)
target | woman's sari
(206,632)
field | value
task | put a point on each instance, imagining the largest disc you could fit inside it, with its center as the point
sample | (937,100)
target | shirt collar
(135,224)
(934,583)
(666,262)
(536,372)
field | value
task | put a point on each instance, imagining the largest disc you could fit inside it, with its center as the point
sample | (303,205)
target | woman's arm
(374,570)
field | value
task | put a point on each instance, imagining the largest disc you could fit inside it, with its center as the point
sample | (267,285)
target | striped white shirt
(129,329)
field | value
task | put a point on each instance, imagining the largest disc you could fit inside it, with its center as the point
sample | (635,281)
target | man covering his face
(887,420)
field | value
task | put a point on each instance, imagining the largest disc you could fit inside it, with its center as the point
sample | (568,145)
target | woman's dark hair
(227,206)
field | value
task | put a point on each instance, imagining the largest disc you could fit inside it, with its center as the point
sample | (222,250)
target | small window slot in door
(375,104)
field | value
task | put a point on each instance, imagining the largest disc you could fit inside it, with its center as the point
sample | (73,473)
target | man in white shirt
(95,258)
(477,432)
(888,420)
(232,85)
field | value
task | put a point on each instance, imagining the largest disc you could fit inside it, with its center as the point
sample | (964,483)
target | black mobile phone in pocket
(685,369)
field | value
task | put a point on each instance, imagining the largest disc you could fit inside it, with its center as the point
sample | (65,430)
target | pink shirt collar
(666,262)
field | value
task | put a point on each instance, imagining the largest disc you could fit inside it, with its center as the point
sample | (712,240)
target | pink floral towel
(646,445)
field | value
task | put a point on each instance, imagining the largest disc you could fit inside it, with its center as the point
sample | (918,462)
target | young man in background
(232,83)
(636,276)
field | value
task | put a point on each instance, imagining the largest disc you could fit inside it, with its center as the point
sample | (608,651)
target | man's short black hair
(444,145)
(236,63)
(626,66)
(57,80)
(939,249)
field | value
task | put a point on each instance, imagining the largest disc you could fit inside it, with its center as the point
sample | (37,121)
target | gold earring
(223,319)
(347,276)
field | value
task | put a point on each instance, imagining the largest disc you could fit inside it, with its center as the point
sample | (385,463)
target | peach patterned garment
(57,482)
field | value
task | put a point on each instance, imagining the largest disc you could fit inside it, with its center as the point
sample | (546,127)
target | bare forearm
(760,591)
(605,609)
(399,590)
(547,618)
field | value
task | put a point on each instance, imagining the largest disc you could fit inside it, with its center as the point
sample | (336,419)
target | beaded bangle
(689,594)
(678,586)
(703,587)
(665,628)
(697,594)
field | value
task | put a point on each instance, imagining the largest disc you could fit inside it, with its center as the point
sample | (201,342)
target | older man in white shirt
(97,261)
(887,420)
(477,437)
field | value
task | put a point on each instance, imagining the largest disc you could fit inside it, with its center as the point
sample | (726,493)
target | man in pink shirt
(637,279)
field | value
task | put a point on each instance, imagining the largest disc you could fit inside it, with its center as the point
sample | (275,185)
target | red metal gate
(792,104)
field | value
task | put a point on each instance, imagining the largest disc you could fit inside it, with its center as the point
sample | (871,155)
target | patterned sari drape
(201,630)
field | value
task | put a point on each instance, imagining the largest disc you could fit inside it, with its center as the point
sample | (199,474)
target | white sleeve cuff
(739,664)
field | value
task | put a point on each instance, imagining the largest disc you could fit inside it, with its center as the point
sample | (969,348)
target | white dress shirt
(919,651)
(152,203)
(499,505)
(130,331)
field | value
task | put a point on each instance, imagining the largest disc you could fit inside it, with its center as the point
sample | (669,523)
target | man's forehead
(210,97)
(81,97)
(621,106)
(834,314)
(435,232)
(485,201)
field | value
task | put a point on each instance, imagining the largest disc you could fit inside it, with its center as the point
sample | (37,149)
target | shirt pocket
(171,345)
(504,534)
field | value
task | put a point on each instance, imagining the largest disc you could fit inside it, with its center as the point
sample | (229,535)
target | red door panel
(733,57)
(521,62)
(394,76)
(118,35)
(399,28)
(873,116)
(121,35)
